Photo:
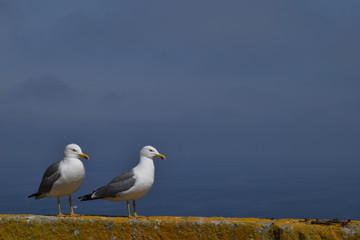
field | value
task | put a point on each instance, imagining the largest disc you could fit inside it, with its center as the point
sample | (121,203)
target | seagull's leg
(59,208)
(128,208)
(134,206)
(71,207)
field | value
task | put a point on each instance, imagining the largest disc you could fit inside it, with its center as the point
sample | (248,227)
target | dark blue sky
(218,86)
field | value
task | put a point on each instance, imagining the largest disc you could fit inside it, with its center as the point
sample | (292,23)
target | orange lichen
(101,227)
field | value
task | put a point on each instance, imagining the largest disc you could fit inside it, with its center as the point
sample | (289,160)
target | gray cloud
(231,40)
(44,89)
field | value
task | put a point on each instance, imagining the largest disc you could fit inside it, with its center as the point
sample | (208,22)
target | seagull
(132,184)
(63,178)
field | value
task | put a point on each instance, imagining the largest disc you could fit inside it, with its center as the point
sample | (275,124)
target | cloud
(3,5)
(201,42)
(112,98)
(42,99)
(46,89)
(247,58)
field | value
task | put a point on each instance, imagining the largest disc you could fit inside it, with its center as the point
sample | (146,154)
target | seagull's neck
(145,163)
(70,159)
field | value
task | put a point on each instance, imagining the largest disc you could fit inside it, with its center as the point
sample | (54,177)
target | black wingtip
(34,195)
(85,197)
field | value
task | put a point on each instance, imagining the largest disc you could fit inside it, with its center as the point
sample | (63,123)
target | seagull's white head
(150,152)
(74,151)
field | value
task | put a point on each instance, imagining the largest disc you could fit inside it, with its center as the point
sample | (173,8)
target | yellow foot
(61,215)
(73,215)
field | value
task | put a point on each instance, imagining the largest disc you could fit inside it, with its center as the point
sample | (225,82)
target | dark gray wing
(123,177)
(119,184)
(50,176)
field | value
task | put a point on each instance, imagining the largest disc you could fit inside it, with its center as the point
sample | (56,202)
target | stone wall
(99,227)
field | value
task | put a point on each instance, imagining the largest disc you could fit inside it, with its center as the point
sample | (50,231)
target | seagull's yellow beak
(160,156)
(84,155)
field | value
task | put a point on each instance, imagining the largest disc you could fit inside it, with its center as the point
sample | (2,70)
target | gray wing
(119,184)
(50,176)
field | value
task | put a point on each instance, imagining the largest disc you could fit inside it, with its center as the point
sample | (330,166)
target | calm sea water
(203,188)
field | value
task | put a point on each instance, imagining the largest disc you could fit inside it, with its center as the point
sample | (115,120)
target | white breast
(72,175)
(143,183)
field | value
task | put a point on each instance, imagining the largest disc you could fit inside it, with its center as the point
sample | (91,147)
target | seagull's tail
(36,195)
(86,197)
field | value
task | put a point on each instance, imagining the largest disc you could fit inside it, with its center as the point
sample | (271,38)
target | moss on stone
(100,227)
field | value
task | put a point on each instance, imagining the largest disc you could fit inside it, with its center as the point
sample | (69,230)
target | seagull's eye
(73,150)
(151,150)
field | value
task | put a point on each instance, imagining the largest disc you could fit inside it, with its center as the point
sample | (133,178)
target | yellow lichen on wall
(99,227)
(289,229)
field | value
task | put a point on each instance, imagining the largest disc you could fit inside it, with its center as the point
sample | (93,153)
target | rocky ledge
(106,227)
